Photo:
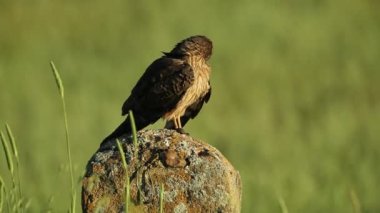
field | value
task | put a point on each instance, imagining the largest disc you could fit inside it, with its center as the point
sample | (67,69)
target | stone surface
(195,175)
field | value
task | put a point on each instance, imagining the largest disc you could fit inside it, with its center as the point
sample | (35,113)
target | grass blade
(57,79)
(135,144)
(284,208)
(12,140)
(73,199)
(7,153)
(15,153)
(2,193)
(119,146)
(125,165)
(61,92)
(355,202)
(132,120)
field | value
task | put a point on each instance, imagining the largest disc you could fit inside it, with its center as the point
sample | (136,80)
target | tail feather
(126,128)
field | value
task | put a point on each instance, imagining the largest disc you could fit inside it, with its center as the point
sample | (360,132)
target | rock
(196,176)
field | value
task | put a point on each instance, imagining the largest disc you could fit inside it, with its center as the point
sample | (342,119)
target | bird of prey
(174,87)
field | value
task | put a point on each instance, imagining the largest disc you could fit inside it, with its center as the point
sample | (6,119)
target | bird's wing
(160,88)
(192,111)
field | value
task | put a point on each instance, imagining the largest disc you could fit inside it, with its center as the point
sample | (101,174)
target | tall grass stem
(12,140)
(135,144)
(355,202)
(284,208)
(133,125)
(126,181)
(15,153)
(62,95)
(7,152)
(2,193)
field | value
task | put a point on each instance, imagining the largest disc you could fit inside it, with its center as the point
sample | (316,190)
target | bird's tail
(126,128)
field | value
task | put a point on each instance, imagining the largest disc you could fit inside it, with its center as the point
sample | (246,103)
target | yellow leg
(179,123)
(175,123)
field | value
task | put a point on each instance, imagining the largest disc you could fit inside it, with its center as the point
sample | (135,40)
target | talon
(181,131)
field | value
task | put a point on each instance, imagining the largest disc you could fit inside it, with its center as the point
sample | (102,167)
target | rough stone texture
(196,176)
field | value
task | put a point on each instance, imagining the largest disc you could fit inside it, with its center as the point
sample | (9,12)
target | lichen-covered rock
(196,176)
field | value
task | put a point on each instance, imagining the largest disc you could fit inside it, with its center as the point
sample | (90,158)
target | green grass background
(295,104)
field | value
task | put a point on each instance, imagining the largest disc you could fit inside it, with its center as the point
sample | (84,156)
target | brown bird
(174,87)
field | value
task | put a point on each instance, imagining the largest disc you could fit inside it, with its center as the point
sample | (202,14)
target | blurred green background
(295,104)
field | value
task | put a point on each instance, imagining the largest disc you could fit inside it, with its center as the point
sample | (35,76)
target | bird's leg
(179,123)
(178,126)
(175,123)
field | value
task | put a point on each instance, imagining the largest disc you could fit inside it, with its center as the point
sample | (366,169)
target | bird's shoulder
(160,69)
(159,78)
(165,66)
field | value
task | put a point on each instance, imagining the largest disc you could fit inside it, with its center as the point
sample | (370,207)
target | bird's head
(193,46)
